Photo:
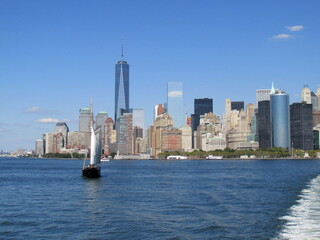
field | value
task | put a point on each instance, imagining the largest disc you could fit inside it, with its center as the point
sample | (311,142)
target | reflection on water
(48,199)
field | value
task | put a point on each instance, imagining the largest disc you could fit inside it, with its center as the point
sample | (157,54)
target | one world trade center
(121,88)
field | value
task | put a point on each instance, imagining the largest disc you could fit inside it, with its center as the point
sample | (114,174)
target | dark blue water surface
(149,199)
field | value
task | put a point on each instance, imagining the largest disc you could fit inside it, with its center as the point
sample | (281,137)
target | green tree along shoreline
(231,153)
(64,155)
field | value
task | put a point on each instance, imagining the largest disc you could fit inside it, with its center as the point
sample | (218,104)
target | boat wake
(304,217)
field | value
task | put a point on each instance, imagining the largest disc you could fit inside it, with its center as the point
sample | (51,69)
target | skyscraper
(280,120)
(301,126)
(62,128)
(237,105)
(264,94)
(121,88)
(84,119)
(100,119)
(306,95)
(201,107)
(125,134)
(175,103)
(264,124)
(138,118)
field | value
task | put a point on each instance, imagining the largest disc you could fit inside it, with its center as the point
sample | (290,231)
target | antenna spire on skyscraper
(121,48)
(273,91)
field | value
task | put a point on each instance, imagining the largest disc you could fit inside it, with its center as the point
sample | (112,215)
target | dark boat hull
(91,171)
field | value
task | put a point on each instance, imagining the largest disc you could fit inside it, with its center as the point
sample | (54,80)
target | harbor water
(151,199)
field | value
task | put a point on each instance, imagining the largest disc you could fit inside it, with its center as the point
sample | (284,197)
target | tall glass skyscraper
(280,120)
(175,103)
(121,88)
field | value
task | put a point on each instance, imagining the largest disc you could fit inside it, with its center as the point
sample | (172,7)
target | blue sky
(55,55)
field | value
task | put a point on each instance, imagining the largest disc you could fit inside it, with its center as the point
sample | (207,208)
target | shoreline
(164,159)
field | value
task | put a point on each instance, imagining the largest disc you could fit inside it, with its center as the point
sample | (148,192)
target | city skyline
(52,61)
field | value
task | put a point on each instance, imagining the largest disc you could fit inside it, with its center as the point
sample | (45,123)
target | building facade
(264,124)
(84,119)
(125,134)
(175,106)
(62,127)
(280,120)
(301,126)
(121,88)
(138,118)
(306,95)
(237,105)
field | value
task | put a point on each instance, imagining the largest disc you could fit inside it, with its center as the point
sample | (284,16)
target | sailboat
(93,170)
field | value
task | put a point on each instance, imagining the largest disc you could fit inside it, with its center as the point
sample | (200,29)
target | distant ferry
(172,157)
(214,157)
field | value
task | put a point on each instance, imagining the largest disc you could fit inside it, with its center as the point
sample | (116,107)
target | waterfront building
(149,139)
(209,128)
(121,89)
(301,126)
(235,139)
(171,140)
(306,95)
(78,140)
(250,109)
(62,127)
(237,105)
(138,118)
(125,134)
(226,119)
(137,139)
(54,142)
(84,119)
(213,142)
(316,137)
(39,147)
(109,135)
(254,133)
(264,124)
(175,106)
(161,123)
(186,138)
(201,107)
(280,120)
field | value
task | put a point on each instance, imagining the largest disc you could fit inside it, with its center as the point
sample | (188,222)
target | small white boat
(172,157)
(214,157)
(105,159)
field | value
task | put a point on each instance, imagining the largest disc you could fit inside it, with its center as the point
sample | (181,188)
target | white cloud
(47,120)
(282,36)
(33,109)
(175,94)
(295,28)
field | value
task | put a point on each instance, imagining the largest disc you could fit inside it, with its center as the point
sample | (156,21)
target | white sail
(97,157)
(93,146)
